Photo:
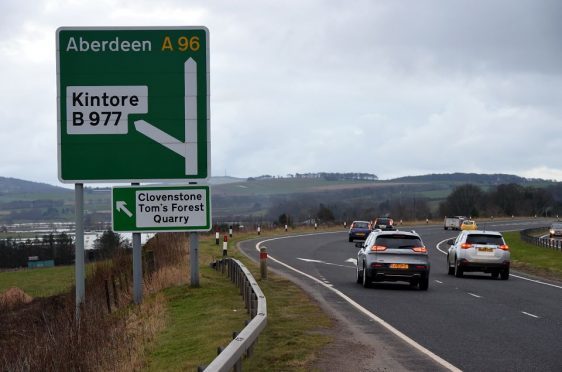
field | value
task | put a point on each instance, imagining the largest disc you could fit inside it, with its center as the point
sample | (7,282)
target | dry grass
(44,334)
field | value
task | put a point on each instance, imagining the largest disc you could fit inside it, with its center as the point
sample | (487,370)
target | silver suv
(393,256)
(478,250)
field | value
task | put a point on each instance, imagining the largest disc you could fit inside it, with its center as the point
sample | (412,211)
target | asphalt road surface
(474,323)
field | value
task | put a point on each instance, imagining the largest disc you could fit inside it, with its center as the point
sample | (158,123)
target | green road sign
(161,208)
(133,104)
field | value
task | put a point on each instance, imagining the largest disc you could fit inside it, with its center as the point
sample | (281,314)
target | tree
(464,200)
(325,214)
(108,243)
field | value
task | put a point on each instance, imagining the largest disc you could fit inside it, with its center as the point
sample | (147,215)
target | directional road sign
(161,208)
(133,104)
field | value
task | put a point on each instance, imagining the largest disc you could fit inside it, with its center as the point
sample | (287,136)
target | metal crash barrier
(230,358)
(527,235)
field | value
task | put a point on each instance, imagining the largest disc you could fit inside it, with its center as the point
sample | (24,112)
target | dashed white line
(474,295)
(531,315)
(439,281)
(360,308)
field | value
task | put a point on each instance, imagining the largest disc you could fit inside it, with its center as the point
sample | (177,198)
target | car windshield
(399,241)
(360,225)
(468,222)
(484,239)
(556,226)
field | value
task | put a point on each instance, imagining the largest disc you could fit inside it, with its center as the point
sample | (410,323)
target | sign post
(161,208)
(133,106)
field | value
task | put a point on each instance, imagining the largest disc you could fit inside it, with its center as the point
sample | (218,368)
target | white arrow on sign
(121,207)
(187,149)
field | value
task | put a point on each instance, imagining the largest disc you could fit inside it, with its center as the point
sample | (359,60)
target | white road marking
(515,276)
(360,308)
(323,262)
(474,295)
(352,260)
(531,315)
(439,281)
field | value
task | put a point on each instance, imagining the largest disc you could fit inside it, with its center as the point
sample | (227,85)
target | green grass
(532,258)
(39,282)
(200,320)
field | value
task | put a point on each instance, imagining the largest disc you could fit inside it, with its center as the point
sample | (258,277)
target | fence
(528,235)
(230,358)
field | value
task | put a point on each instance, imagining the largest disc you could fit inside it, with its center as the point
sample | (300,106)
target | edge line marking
(363,310)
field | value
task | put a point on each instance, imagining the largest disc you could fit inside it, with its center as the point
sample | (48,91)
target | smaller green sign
(161,208)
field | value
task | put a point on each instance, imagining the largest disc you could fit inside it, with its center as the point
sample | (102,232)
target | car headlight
(552,231)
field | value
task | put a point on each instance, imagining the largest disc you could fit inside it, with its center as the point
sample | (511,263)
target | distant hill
(474,178)
(224,180)
(17,186)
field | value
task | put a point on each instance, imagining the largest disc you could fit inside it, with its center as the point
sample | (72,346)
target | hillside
(474,178)
(264,197)
(17,186)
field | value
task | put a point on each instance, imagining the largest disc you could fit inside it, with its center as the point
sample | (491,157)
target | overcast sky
(393,88)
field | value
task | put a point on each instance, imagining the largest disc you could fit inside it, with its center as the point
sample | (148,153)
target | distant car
(468,225)
(359,230)
(383,223)
(393,256)
(555,230)
(478,250)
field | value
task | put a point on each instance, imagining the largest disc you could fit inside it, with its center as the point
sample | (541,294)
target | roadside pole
(137,265)
(79,247)
(194,258)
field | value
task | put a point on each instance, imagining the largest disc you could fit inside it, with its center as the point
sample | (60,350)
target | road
(474,323)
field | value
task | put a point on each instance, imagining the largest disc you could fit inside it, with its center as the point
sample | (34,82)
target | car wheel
(450,269)
(458,270)
(424,283)
(504,274)
(445,228)
(495,274)
(366,278)
(359,275)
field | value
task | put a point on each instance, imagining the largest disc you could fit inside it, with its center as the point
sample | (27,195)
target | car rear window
(484,239)
(360,225)
(384,221)
(399,241)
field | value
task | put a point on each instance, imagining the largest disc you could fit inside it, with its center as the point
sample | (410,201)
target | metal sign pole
(79,246)
(137,265)
(137,268)
(194,258)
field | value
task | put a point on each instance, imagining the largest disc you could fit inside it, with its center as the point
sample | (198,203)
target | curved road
(474,323)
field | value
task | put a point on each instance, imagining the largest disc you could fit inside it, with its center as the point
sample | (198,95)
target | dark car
(383,223)
(393,256)
(359,230)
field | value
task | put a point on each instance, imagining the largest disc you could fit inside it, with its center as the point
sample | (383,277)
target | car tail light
(378,248)
(466,245)
(504,247)
(375,265)
(421,267)
(420,249)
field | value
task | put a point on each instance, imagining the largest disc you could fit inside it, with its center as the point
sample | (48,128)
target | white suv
(478,250)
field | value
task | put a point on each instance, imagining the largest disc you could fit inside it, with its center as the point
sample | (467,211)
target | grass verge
(533,259)
(39,282)
(199,320)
